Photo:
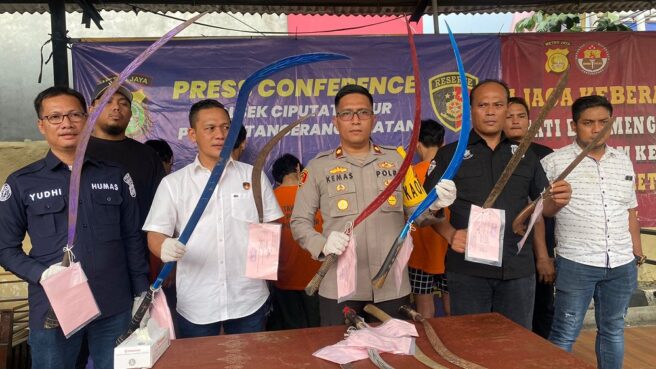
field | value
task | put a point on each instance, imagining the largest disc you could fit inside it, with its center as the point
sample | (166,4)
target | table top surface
(489,340)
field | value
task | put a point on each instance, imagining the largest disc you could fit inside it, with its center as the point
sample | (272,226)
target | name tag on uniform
(263,251)
(485,236)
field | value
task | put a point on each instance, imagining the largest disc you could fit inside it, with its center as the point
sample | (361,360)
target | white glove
(172,250)
(336,243)
(52,270)
(446,194)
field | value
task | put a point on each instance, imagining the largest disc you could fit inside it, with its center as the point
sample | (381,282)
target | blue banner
(186,71)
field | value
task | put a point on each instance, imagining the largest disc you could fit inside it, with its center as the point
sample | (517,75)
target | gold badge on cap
(342,204)
(391,200)
(386,165)
(340,187)
(336,170)
(247,186)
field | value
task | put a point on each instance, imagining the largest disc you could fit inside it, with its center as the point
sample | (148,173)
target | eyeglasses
(362,114)
(74,117)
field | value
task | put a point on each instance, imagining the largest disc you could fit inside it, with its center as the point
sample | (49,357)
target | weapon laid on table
(331,259)
(215,176)
(352,317)
(76,171)
(419,355)
(525,143)
(436,342)
(520,219)
(449,173)
(261,159)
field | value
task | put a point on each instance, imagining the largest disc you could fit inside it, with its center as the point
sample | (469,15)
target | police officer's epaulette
(30,168)
(384,147)
(324,153)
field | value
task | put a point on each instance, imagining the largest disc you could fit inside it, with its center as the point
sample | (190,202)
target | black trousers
(543,310)
(291,309)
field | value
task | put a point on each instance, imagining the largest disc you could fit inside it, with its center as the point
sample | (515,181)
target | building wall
(23,35)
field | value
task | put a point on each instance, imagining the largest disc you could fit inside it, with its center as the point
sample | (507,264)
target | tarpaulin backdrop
(186,71)
(618,65)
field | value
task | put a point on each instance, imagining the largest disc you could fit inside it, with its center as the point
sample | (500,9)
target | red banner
(617,65)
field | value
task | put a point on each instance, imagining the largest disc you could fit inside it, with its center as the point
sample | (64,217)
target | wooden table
(490,340)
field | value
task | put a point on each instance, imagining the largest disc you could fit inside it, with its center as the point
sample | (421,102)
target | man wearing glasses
(108,241)
(341,183)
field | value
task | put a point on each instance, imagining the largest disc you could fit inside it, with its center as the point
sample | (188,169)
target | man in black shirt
(544,240)
(480,288)
(109,142)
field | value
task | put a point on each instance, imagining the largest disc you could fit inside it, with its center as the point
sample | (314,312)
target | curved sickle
(330,260)
(229,143)
(76,171)
(449,173)
(261,159)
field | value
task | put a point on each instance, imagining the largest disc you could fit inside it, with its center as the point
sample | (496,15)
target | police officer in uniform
(341,183)
(108,241)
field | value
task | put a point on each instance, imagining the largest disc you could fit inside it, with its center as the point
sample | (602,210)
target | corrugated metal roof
(343,7)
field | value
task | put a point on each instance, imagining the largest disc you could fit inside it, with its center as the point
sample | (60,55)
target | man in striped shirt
(598,236)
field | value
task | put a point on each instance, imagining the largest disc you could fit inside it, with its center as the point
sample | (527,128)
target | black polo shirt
(477,175)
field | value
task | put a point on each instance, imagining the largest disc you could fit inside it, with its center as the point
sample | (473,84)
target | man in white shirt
(598,236)
(212,289)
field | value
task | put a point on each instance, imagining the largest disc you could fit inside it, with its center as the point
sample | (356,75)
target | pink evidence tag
(347,271)
(401,261)
(536,212)
(263,251)
(159,310)
(71,299)
(485,236)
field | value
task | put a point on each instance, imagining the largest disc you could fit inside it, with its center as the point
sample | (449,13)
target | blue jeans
(576,285)
(512,298)
(51,350)
(248,324)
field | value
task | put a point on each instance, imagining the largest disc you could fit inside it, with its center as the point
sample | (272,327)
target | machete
(436,342)
(419,355)
(520,219)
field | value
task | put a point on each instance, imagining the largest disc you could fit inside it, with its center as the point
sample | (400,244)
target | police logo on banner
(557,60)
(592,58)
(446,98)
(5,192)
(128,180)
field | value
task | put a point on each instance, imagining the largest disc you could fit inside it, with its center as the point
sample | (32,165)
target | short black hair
(241,137)
(522,102)
(201,105)
(485,82)
(353,89)
(162,148)
(284,165)
(57,91)
(431,133)
(586,102)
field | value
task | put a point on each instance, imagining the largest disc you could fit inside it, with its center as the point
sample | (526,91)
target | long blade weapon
(331,259)
(215,176)
(449,173)
(353,318)
(419,355)
(76,171)
(437,343)
(520,219)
